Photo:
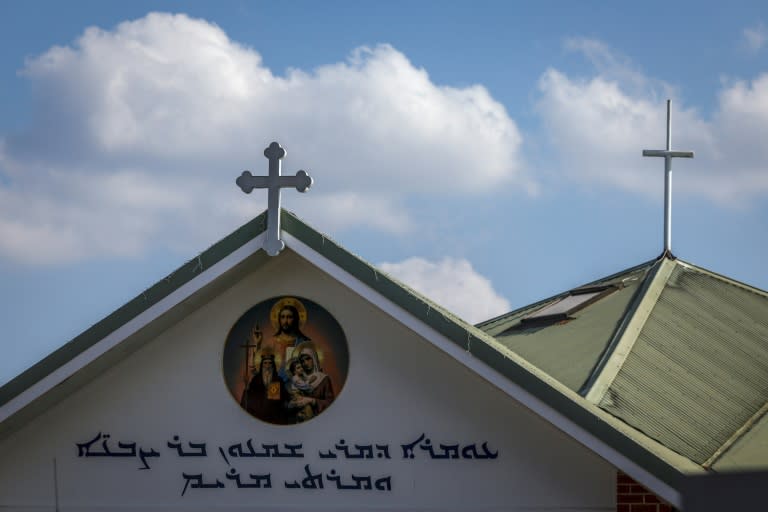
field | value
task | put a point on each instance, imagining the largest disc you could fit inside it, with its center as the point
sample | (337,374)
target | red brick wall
(633,497)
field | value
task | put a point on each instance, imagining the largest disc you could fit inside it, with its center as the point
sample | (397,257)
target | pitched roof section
(679,354)
(698,371)
(570,348)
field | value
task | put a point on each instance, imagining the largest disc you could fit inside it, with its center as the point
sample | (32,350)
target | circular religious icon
(285,360)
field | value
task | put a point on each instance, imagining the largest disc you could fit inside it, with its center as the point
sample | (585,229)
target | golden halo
(287,301)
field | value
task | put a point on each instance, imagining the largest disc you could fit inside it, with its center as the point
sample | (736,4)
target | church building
(278,371)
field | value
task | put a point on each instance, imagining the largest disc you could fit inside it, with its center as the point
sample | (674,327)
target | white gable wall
(399,386)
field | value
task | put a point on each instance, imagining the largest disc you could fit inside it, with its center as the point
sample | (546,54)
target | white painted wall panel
(398,386)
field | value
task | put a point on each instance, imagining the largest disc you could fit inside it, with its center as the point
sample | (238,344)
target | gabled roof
(498,360)
(676,352)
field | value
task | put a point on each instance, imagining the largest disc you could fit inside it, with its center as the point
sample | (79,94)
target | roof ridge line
(731,281)
(735,436)
(627,332)
(290,218)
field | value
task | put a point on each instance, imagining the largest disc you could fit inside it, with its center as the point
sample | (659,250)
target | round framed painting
(285,360)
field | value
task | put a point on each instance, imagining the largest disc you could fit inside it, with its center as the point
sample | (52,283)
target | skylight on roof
(564,305)
(562,308)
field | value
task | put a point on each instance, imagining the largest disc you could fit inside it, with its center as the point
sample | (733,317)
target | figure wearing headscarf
(318,388)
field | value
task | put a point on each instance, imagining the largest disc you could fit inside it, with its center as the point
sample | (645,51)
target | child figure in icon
(299,386)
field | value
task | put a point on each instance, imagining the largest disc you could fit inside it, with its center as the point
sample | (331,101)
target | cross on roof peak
(273,183)
(668,155)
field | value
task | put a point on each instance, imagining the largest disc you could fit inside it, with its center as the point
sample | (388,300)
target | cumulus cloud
(453,284)
(755,37)
(599,125)
(140,131)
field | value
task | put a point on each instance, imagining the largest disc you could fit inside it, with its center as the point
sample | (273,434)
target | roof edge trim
(132,309)
(726,279)
(746,427)
(626,334)
(130,327)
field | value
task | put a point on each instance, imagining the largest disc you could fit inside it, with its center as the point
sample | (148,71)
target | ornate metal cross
(668,155)
(273,183)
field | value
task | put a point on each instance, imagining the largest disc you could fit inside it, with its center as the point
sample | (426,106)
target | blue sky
(487,153)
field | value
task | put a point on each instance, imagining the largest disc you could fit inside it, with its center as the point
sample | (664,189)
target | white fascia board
(129,328)
(497,379)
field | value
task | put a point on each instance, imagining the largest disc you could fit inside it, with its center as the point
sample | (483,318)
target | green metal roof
(698,371)
(679,354)
(570,350)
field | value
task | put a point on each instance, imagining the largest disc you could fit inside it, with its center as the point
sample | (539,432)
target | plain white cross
(668,155)
(273,183)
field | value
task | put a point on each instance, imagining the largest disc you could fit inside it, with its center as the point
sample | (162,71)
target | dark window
(561,309)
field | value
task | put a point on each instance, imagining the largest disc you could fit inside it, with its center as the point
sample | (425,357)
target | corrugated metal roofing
(698,371)
(748,452)
(570,350)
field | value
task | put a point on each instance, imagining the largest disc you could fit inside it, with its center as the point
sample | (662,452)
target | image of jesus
(287,336)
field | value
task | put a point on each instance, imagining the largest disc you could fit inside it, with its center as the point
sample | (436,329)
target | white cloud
(612,65)
(755,37)
(140,132)
(600,124)
(453,284)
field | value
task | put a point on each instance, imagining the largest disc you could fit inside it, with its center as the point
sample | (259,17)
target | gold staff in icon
(252,348)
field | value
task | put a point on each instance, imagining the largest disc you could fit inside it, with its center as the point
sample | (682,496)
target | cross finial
(273,183)
(668,155)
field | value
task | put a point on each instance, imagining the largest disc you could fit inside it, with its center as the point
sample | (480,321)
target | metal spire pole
(668,155)
(668,186)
